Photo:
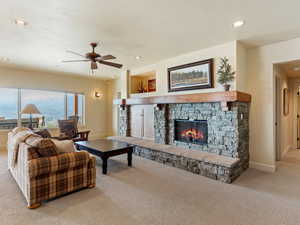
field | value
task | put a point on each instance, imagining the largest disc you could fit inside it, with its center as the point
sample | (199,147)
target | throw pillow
(64,146)
(46,148)
(44,133)
(68,128)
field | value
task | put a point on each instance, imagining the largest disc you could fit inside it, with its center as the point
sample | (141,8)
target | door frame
(295,102)
(277,116)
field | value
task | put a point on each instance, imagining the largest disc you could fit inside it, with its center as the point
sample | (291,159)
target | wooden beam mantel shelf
(223,97)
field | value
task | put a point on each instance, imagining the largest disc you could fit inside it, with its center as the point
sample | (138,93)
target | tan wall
(260,84)
(255,76)
(121,84)
(95,109)
(161,68)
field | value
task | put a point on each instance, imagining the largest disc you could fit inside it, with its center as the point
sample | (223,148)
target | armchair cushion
(68,127)
(47,165)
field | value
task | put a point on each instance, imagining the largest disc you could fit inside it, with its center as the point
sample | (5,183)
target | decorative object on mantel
(152,85)
(141,87)
(225,73)
(197,75)
(285,101)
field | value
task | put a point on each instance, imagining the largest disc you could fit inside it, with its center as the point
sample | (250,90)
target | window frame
(76,110)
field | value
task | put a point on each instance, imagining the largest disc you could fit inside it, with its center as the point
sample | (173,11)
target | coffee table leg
(104,165)
(129,158)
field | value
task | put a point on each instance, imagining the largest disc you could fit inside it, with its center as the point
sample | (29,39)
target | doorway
(287,109)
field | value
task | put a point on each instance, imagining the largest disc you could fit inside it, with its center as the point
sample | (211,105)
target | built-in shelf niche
(147,79)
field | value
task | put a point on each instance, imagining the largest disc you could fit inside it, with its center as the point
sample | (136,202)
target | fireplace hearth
(194,132)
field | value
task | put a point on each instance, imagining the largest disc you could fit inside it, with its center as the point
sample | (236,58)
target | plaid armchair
(49,177)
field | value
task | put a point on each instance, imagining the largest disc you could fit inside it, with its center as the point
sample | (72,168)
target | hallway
(292,157)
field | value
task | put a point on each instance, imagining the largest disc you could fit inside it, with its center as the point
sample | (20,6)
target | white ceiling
(153,29)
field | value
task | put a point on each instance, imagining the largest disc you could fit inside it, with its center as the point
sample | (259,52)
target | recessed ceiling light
(296,68)
(20,22)
(238,23)
(138,57)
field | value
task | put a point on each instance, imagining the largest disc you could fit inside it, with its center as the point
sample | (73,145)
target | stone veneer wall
(124,121)
(228,132)
(228,135)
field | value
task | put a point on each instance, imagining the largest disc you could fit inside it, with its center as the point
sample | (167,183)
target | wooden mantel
(223,97)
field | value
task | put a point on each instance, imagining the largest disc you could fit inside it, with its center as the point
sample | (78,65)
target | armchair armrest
(84,135)
(47,165)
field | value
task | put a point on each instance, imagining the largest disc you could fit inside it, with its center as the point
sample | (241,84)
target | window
(8,108)
(52,105)
(81,108)
(49,103)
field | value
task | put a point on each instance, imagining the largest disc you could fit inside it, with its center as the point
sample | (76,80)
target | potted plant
(225,72)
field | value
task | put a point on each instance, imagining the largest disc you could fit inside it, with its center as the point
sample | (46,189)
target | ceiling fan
(94,57)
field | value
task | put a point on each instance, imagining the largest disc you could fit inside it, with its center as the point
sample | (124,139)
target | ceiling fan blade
(94,65)
(75,53)
(110,64)
(106,57)
(84,60)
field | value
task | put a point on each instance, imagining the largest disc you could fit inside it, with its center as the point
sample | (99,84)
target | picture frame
(285,97)
(152,85)
(197,75)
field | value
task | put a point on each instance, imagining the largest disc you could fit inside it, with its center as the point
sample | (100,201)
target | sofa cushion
(62,162)
(64,146)
(46,148)
(33,153)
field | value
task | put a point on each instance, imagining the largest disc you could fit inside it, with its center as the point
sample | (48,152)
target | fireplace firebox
(194,132)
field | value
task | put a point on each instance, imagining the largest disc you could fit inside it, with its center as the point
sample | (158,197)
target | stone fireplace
(191,131)
(202,126)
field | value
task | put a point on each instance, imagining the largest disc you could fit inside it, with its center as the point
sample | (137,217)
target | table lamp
(30,109)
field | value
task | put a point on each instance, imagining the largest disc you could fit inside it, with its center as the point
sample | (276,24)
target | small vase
(226,87)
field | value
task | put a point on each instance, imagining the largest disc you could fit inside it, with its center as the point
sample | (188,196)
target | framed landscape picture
(197,75)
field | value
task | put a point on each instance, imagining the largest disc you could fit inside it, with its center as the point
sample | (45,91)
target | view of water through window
(53,106)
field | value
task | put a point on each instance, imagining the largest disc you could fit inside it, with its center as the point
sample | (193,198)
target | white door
(142,121)
(149,122)
(136,121)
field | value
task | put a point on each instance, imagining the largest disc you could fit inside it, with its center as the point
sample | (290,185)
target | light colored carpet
(151,193)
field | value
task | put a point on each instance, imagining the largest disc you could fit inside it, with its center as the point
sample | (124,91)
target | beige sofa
(43,178)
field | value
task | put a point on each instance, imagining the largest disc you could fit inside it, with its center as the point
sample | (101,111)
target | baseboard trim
(263,167)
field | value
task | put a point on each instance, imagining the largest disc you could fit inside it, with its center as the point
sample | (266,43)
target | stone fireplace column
(161,124)
(124,121)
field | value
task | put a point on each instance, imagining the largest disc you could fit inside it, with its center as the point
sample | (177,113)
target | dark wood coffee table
(105,148)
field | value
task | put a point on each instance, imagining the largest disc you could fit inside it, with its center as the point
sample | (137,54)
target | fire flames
(192,133)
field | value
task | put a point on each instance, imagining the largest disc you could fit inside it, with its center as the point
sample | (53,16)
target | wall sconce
(98,94)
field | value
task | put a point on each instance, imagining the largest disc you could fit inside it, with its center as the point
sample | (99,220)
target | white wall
(260,84)
(96,109)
